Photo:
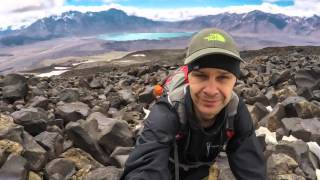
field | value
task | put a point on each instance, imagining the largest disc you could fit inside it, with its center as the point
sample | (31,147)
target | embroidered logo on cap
(215,37)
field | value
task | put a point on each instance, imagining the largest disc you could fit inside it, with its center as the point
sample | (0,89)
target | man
(183,134)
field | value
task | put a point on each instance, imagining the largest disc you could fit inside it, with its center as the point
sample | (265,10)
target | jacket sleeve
(150,157)
(245,154)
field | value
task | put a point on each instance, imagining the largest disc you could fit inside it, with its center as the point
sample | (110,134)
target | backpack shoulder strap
(232,110)
(232,107)
(176,99)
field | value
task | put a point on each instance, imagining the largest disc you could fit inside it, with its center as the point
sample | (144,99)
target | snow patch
(139,55)
(289,139)
(314,148)
(84,62)
(52,73)
(269,108)
(61,68)
(270,136)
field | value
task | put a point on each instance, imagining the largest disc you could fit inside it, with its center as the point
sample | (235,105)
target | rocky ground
(82,124)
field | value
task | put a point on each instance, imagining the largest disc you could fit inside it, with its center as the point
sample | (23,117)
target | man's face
(211,90)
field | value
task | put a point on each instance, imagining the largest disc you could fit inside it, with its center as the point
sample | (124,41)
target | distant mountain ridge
(252,24)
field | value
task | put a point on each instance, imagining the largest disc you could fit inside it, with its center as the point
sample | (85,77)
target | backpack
(174,90)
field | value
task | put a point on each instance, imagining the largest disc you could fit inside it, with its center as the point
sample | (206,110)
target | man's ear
(235,82)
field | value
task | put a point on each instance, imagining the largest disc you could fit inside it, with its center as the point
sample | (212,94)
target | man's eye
(198,75)
(223,77)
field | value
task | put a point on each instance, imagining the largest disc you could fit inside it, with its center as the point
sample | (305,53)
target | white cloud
(13,6)
(27,11)
(18,13)
(305,8)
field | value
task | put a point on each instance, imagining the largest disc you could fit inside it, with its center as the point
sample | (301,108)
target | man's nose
(211,87)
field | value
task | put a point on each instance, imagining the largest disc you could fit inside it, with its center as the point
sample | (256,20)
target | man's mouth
(210,103)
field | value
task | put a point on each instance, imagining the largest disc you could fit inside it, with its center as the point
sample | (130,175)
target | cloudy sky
(16,13)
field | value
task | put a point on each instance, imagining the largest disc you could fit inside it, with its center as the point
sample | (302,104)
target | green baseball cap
(211,41)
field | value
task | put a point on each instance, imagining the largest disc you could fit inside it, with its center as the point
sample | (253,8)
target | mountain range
(266,26)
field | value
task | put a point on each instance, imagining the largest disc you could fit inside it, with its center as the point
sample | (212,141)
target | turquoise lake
(142,36)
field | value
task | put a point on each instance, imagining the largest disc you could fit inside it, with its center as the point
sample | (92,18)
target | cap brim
(209,51)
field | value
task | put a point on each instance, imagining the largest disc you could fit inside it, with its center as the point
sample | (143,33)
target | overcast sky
(16,13)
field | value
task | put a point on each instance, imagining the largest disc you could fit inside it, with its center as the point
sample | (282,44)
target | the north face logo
(215,37)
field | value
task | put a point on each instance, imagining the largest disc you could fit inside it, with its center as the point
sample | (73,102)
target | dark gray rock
(72,111)
(123,83)
(274,78)
(305,92)
(14,168)
(273,120)
(33,81)
(261,98)
(111,132)
(35,91)
(56,176)
(143,70)
(95,83)
(5,107)
(249,92)
(244,73)
(83,135)
(278,78)
(115,100)
(39,101)
(52,142)
(69,95)
(289,105)
(126,95)
(33,153)
(55,122)
(258,112)
(120,155)
(3,156)
(316,95)
(64,167)
(34,120)
(114,113)
(14,87)
(309,78)
(305,129)
(43,85)
(108,89)
(295,150)
(147,95)
(55,129)
(313,159)
(133,71)
(307,167)
(280,132)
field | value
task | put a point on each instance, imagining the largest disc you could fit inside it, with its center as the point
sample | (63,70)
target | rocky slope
(82,125)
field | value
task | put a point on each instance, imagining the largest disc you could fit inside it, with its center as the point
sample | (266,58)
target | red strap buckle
(230,133)
(179,136)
